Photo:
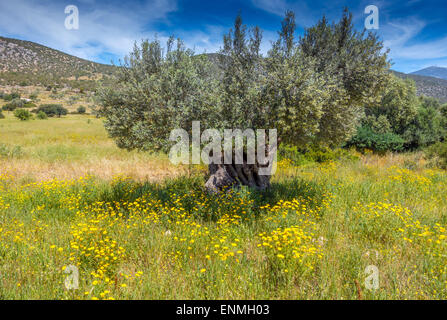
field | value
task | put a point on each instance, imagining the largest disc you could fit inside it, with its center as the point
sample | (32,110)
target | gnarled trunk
(233,175)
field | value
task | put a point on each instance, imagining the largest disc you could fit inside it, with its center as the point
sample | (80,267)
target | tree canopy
(310,89)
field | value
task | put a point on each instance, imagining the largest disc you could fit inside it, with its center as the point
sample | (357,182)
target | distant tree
(81,110)
(14,104)
(22,114)
(427,127)
(398,105)
(52,110)
(417,121)
(34,96)
(41,115)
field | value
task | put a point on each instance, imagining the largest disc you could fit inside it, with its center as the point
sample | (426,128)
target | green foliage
(354,61)
(14,104)
(315,153)
(33,96)
(7,151)
(309,90)
(11,96)
(9,107)
(29,105)
(22,114)
(81,110)
(401,116)
(158,91)
(437,153)
(2,116)
(399,105)
(426,129)
(367,138)
(52,110)
(41,115)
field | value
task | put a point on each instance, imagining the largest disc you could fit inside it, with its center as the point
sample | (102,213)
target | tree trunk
(223,176)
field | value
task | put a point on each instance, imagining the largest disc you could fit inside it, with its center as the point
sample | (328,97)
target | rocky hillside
(25,62)
(428,86)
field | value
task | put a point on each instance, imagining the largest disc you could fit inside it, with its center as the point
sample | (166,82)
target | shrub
(33,96)
(426,128)
(52,110)
(1,115)
(29,105)
(22,114)
(14,104)
(15,95)
(41,115)
(437,153)
(366,138)
(81,110)
(314,153)
(10,152)
(8,107)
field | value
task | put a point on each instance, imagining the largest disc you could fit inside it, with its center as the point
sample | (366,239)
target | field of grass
(137,227)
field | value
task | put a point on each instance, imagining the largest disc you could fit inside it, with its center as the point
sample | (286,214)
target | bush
(1,115)
(33,96)
(14,104)
(41,115)
(437,154)
(314,153)
(366,138)
(81,110)
(22,114)
(8,107)
(10,152)
(427,128)
(52,110)
(11,96)
(29,105)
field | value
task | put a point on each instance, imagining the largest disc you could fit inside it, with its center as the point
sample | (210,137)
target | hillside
(26,63)
(436,72)
(428,86)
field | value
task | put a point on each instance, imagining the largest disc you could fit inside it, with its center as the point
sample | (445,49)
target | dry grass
(71,147)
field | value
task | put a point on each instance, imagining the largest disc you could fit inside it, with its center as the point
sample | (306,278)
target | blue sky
(415,30)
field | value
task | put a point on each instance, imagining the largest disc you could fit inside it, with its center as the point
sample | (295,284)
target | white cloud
(105,28)
(398,37)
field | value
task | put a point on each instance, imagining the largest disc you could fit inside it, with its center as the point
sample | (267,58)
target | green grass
(73,146)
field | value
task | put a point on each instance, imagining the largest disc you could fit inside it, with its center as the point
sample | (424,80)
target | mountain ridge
(25,62)
(433,71)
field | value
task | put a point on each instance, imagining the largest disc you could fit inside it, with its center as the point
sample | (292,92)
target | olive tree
(158,90)
(309,90)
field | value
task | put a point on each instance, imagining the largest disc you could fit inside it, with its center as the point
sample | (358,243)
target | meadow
(136,227)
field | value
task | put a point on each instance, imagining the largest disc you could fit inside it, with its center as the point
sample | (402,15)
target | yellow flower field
(314,235)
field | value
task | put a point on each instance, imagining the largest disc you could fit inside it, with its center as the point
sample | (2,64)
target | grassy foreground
(312,236)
